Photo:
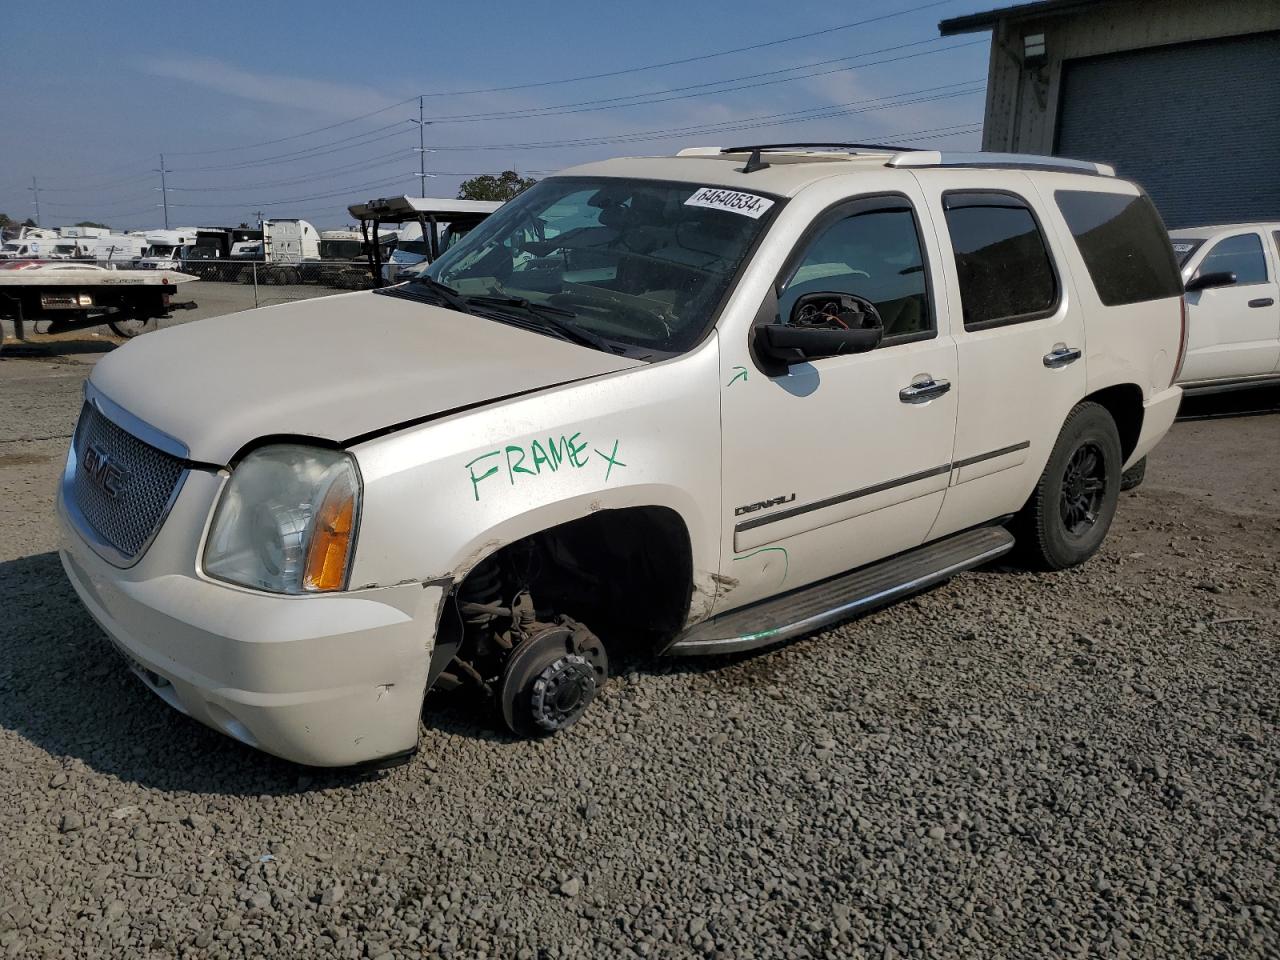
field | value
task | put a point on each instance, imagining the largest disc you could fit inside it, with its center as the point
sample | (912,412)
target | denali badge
(763,504)
(102,470)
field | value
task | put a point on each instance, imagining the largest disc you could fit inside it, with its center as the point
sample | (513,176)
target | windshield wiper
(522,303)
(549,317)
(450,296)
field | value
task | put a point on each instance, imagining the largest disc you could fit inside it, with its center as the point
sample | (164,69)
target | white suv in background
(1232,275)
(704,402)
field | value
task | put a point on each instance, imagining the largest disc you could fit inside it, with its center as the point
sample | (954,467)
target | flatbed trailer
(74,296)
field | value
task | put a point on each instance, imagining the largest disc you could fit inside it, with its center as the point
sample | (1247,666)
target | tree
(92,223)
(487,186)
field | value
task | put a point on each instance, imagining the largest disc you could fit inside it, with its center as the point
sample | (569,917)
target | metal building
(1181,95)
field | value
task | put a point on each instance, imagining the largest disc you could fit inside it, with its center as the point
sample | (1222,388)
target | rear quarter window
(1003,264)
(1124,245)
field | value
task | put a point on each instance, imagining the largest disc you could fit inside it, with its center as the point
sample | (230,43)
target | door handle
(924,390)
(1060,356)
(1261,302)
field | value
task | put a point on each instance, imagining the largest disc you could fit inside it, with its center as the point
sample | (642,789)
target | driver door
(843,460)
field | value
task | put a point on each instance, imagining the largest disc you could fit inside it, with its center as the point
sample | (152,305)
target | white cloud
(320,96)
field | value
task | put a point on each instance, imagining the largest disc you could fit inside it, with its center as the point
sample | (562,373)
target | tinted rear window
(1002,261)
(1124,246)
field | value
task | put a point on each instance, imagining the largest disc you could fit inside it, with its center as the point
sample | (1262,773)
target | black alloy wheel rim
(1084,485)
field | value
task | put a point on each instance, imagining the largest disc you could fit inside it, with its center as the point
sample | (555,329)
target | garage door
(1197,124)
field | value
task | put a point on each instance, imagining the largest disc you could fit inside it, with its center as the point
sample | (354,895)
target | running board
(810,608)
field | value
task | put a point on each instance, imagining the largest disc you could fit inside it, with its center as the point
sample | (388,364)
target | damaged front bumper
(330,680)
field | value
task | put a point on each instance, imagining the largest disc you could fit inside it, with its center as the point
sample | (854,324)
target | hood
(333,368)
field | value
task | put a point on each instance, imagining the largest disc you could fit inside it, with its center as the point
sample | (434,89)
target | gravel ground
(1011,765)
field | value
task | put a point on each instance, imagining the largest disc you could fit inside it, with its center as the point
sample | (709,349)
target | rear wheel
(129,327)
(1071,509)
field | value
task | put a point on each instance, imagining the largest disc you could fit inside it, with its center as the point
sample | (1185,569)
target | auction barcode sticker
(714,198)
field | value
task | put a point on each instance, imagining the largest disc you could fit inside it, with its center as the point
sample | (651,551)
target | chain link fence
(221,286)
(333,276)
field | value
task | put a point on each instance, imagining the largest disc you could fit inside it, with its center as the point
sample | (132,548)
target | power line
(346,191)
(953,130)
(98,186)
(397,156)
(95,205)
(823,112)
(305,154)
(611,103)
(698,58)
(295,136)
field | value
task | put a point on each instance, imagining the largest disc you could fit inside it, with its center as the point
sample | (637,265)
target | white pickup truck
(1232,275)
(704,403)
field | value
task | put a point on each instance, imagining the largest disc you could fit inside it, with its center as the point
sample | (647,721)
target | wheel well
(1124,403)
(626,573)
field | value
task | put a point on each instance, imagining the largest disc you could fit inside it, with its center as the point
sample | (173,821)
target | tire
(129,327)
(1070,511)
(1134,476)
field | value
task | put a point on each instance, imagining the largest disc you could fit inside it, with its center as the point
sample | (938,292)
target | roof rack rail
(1009,161)
(874,147)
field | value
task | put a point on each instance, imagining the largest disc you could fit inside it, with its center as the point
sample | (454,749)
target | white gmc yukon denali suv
(704,402)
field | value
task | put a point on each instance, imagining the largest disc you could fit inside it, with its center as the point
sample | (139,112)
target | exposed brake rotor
(551,678)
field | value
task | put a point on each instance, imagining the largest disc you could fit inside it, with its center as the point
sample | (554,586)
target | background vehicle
(704,403)
(164,248)
(286,245)
(426,227)
(343,260)
(117,249)
(1232,276)
(78,295)
(32,243)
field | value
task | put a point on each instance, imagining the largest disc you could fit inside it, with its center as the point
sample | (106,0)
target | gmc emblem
(103,471)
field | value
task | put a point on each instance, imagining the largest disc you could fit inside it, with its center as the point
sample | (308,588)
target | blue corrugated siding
(1197,124)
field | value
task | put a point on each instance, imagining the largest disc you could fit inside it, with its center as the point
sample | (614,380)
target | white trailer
(164,248)
(116,249)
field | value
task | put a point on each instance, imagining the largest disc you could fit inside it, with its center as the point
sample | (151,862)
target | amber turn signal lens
(330,547)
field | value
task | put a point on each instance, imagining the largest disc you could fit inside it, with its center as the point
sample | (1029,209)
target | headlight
(286,521)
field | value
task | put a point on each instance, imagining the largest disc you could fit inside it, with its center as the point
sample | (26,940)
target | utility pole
(35,193)
(164,192)
(422,150)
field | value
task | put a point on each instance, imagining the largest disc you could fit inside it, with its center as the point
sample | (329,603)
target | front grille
(122,487)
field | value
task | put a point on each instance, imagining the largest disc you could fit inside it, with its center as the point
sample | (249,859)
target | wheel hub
(551,678)
(1083,488)
(562,691)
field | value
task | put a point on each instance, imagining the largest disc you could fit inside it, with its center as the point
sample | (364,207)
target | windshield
(159,250)
(1183,249)
(341,249)
(640,262)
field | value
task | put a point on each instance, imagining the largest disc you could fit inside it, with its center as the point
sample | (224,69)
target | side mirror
(786,344)
(822,325)
(1206,281)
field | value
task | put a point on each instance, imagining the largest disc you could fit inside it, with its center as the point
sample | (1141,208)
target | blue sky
(94,92)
